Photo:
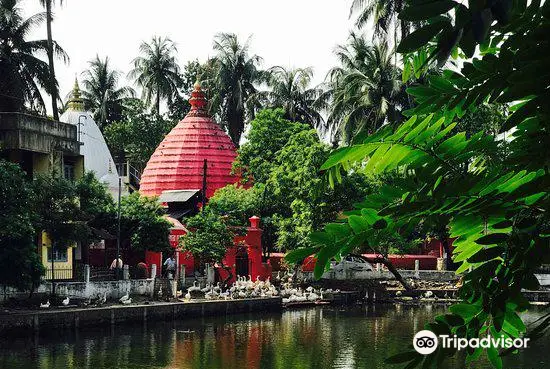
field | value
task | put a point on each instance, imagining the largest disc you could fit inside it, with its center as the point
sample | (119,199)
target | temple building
(195,146)
(97,157)
(189,165)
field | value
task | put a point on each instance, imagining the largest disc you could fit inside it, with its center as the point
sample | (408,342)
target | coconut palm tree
(22,73)
(54,93)
(156,71)
(290,90)
(383,14)
(365,91)
(237,77)
(101,92)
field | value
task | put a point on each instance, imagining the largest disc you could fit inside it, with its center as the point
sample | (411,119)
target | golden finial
(75,103)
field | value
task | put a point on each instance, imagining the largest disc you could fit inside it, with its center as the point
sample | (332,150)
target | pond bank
(26,321)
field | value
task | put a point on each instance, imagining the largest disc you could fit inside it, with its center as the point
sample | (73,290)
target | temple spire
(198,99)
(75,103)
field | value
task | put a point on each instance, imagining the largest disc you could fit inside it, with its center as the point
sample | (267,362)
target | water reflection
(319,338)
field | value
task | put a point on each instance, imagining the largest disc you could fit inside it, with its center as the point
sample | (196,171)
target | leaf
(466,311)
(514,320)
(420,37)
(486,255)
(451,319)
(370,215)
(358,223)
(338,230)
(298,255)
(419,12)
(321,238)
(492,239)
(442,84)
(530,200)
(422,91)
(494,358)
(323,259)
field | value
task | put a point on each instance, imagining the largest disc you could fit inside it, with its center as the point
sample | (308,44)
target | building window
(68,171)
(60,254)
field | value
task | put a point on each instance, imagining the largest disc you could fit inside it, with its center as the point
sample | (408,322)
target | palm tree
(384,14)
(156,71)
(101,92)
(54,93)
(22,73)
(290,90)
(365,92)
(237,75)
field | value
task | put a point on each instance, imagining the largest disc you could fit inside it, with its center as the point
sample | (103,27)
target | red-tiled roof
(177,163)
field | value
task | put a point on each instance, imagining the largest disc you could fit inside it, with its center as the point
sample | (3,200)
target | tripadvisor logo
(425,342)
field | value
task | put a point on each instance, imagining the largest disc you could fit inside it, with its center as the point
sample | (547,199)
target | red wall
(253,243)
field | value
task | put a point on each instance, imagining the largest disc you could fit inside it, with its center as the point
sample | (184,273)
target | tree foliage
(142,223)
(290,90)
(20,264)
(102,93)
(136,137)
(194,71)
(209,237)
(58,210)
(23,73)
(236,204)
(237,75)
(269,133)
(365,91)
(497,204)
(282,158)
(156,71)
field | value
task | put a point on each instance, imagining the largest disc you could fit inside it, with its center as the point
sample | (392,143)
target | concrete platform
(23,322)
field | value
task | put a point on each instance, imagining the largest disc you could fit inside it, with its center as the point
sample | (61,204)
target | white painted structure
(97,157)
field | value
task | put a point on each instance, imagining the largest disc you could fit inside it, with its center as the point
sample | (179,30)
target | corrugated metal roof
(177,195)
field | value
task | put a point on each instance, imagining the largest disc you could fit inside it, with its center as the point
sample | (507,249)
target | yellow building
(62,259)
(39,146)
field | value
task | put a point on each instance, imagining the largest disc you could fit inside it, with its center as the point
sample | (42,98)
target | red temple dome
(177,163)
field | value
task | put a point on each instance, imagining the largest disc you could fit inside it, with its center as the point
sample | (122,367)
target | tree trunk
(392,269)
(158,104)
(53,86)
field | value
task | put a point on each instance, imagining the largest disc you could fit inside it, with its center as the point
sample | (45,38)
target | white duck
(65,302)
(312,297)
(45,305)
(210,295)
(187,296)
(124,298)
(194,287)
(217,288)
(207,288)
(225,295)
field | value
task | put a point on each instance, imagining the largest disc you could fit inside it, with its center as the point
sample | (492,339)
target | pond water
(315,338)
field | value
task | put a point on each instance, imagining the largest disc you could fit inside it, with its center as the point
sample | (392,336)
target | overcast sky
(292,33)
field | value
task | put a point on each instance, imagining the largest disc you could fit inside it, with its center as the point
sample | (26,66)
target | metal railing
(103,274)
(65,274)
(131,173)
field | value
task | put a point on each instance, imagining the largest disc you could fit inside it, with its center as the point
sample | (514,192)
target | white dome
(97,157)
(111,181)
